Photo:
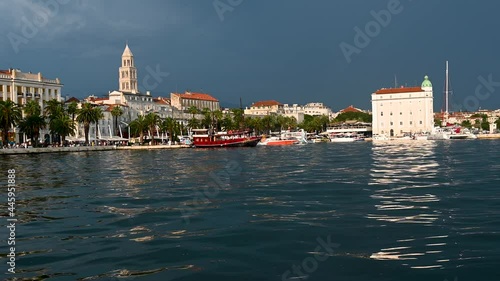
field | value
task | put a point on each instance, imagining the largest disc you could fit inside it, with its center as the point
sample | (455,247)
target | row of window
(401,123)
(125,74)
(128,86)
(140,98)
(128,63)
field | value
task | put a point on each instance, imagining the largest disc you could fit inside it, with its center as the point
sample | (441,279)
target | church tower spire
(128,72)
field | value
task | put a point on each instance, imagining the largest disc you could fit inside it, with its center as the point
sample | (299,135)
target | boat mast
(446,90)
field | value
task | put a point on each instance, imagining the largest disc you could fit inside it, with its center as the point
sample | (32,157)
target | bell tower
(128,73)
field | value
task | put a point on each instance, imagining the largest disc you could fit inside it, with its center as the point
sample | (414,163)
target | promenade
(84,149)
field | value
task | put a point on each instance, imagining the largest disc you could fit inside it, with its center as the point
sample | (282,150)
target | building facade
(263,108)
(128,73)
(405,110)
(198,100)
(21,87)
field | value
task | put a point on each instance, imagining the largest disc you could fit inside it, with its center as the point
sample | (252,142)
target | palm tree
(33,122)
(237,118)
(31,126)
(169,125)
(72,109)
(53,108)
(98,115)
(86,116)
(152,119)
(138,126)
(193,123)
(32,108)
(10,115)
(64,126)
(218,116)
(207,119)
(116,112)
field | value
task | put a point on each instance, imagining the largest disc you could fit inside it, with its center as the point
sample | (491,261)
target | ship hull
(244,142)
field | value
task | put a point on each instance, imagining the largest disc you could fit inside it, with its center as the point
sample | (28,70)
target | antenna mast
(446,90)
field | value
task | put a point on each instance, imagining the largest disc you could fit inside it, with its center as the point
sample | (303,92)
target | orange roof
(266,103)
(6,71)
(399,90)
(197,96)
(350,108)
(161,100)
(72,99)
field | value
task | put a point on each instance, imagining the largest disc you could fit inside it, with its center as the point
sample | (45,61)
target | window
(391,113)
(401,113)
(420,122)
(401,123)
(411,113)
(392,124)
(381,113)
(411,122)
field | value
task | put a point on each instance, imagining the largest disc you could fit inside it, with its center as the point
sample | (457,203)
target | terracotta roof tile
(197,96)
(266,103)
(399,90)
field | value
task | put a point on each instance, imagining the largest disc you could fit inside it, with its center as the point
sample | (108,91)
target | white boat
(349,137)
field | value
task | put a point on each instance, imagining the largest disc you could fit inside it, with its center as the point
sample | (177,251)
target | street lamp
(128,125)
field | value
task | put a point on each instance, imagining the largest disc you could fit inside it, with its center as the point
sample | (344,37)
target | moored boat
(204,138)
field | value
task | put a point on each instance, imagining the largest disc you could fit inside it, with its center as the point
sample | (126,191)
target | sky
(294,51)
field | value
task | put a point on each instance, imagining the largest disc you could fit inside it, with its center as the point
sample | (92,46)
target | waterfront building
(399,111)
(198,100)
(263,108)
(21,87)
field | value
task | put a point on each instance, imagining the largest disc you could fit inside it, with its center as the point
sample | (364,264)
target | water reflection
(403,181)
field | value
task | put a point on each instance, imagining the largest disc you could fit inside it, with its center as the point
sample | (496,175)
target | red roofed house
(350,108)
(199,100)
(397,111)
(266,107)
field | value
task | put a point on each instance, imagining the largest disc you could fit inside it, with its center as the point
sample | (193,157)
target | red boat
(204,138)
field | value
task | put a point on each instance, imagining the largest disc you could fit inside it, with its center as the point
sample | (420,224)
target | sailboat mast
(446,89)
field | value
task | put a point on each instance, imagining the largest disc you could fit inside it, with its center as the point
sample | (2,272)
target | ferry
(205,138)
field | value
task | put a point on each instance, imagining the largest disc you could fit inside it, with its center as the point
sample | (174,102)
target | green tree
(53,108)
(33,121)
(207,118)
(116,112)
(72,110)
(86,115)
(152,120)
(466,124)
(193,123)
(31,126)
(98,115)
(32,108)
(354,116)
(169,125)
(10,115)
(138,126)
(64,126)
(238,118)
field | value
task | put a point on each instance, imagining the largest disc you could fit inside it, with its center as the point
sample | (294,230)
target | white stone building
(405,110)
(21,87)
